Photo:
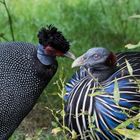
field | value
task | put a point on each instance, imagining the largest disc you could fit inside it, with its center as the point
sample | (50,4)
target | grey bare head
(96,58)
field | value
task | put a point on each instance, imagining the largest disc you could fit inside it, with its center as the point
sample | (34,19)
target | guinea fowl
(25,70)
(92,110)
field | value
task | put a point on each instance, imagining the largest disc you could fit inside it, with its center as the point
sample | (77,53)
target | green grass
(86,23)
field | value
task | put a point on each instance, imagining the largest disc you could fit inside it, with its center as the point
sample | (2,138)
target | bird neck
(43,57)
(102,73)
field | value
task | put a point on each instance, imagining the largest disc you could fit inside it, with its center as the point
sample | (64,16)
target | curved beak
(78,62)
(70,55)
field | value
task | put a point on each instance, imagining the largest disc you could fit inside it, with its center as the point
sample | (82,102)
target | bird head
(53,42)
(96,58)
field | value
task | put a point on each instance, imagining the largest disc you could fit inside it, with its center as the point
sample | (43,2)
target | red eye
(49,50)
(97,56)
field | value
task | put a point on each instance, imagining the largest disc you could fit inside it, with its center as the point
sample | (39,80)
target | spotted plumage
(91,109)
(20,83)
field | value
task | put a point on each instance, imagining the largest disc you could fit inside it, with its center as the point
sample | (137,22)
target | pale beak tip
(72,66)
(70,55)
(73,57)
(75,64)
(78,62)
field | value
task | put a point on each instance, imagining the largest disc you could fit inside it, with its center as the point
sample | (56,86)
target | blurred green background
(85,23)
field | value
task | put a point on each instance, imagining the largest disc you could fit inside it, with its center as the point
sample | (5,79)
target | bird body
(22,80)
(25,70)
(92,108)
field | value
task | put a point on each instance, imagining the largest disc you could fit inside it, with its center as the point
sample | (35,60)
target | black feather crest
(51,36)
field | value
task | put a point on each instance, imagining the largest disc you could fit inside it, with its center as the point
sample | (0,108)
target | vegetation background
(86,23)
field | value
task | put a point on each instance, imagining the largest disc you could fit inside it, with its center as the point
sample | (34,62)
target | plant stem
(9,18)
(103,7)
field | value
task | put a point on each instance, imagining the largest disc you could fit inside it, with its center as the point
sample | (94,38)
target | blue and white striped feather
(94,117)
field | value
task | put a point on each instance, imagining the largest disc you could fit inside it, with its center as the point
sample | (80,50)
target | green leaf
(134,17)
(116,92)
(62,113)
(130,69)
(56,130)
(124,124)
(127,122)
(74,135)
(132,134)
(131,46)
(54,124)
(96,93)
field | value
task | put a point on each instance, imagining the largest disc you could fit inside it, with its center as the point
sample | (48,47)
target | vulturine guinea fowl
(93,109)
(25,70)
